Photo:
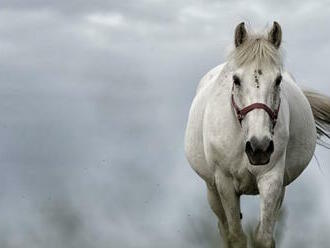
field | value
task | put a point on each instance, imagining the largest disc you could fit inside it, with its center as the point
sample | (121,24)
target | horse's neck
(225,75)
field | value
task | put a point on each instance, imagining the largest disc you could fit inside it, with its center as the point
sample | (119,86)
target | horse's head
(256,89)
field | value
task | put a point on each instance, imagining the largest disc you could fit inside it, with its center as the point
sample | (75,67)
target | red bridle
(241,113)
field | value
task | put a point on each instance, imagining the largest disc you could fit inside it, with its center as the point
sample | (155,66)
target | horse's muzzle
(259,151)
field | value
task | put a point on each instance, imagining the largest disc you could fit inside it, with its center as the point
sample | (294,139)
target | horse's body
(214,136)
(216,145)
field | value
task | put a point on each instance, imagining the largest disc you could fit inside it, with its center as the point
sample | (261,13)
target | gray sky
(94,100)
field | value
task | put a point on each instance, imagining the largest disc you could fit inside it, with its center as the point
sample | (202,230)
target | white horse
(252,130)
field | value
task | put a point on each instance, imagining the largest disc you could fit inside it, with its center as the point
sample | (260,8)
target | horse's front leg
(216,205)
(231,206)
(271,192)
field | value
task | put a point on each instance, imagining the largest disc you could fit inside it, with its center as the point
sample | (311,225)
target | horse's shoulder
(194,139)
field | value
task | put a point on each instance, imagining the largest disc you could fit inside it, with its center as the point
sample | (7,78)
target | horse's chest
(244,182)
(232,164)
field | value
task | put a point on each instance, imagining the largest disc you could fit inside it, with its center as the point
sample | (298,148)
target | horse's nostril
(248,147)
(270,148)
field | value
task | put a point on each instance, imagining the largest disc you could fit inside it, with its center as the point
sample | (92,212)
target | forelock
(256,49)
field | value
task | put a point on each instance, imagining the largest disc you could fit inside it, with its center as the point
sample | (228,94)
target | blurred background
(94,98)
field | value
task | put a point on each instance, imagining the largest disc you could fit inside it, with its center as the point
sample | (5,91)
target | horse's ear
(275,35)
(240,34)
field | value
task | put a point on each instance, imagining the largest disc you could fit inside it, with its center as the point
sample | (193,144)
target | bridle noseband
(241,113)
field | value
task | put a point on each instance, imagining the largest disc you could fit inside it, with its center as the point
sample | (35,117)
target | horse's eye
(236,80)
(278,80)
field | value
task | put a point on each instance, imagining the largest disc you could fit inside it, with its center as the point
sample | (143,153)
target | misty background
(94,98)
